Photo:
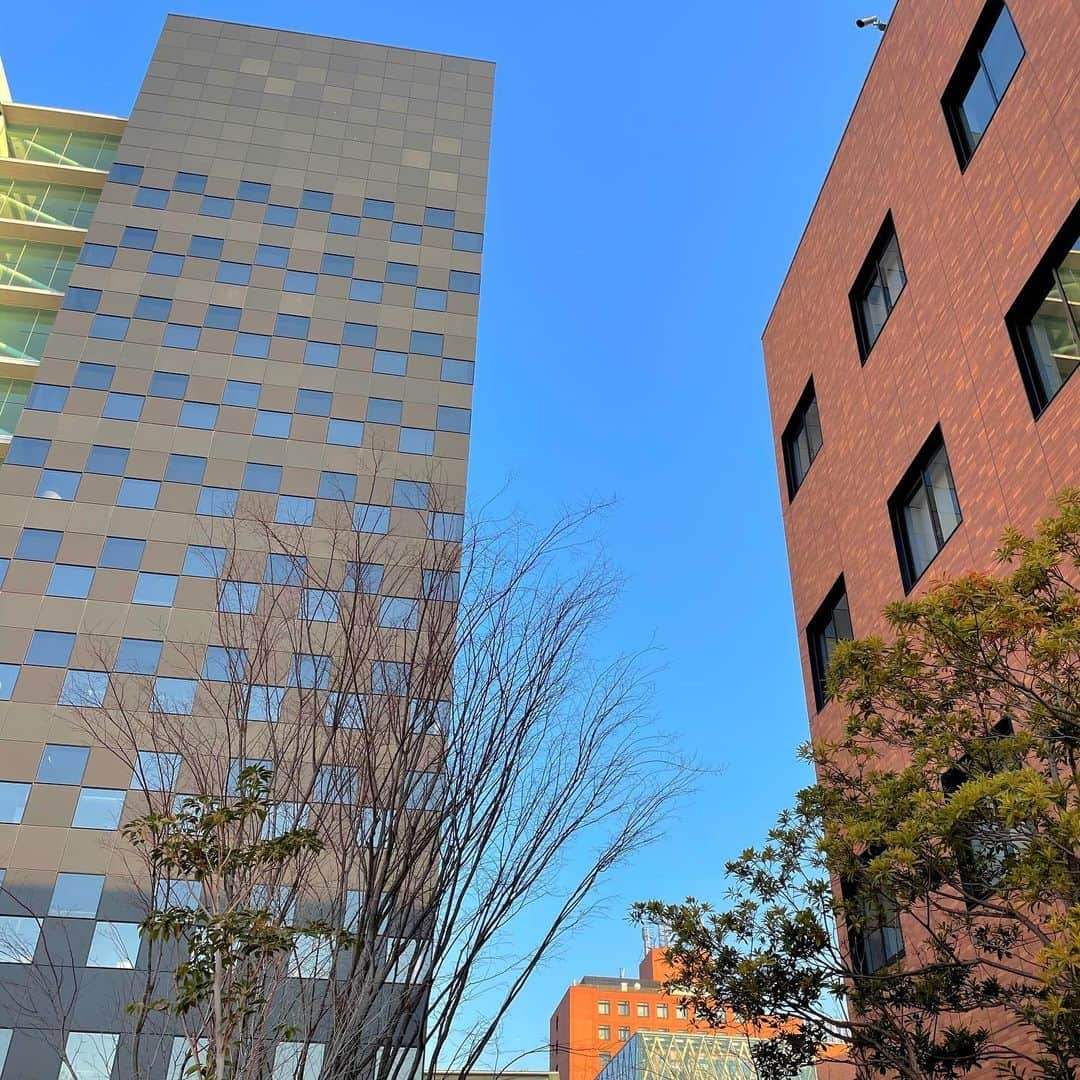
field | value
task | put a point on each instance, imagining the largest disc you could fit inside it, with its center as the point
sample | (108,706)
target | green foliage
(953,790)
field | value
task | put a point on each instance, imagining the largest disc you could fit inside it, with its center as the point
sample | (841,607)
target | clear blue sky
(652,170)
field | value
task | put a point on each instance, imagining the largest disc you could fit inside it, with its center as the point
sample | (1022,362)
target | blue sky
(652,170)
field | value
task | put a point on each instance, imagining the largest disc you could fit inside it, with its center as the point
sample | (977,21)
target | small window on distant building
(643,1008)
(873,927)
(924,509)
(603,1008)
(830,625)
(603,1033)
(624,1008)
(624,1034)
(878,287)
(661,1011)
(605,1057)
(986,68)
(801,440)
(682,1011)
(1045,320)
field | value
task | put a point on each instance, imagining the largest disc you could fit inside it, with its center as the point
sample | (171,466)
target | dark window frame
(870,270)
(1044,276)
(790,435)
(963,78)
(910,483)
(853,892)
(814,635)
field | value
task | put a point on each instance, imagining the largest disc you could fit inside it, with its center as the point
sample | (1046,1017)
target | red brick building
(920,353)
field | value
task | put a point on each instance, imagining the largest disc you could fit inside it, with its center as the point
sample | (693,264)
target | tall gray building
(274,309)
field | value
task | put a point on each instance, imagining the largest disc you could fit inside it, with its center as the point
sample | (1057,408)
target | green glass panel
(12,399)
(36,266)
(58,146)
(23,332)
(49,204)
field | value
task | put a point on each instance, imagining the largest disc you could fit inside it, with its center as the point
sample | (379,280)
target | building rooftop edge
(327,37)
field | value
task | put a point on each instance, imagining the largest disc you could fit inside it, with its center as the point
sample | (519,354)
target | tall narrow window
(873,926)
(986,68)
(829,626)
(877,288)
(924,509)
(801,439)
(1045,320)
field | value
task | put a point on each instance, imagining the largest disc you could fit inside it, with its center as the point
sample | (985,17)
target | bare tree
(429,713)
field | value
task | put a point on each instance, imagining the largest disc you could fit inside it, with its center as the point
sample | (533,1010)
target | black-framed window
(801,440)
(878,287)
(924,509)
(1045,319)
(987,66)
(873,927)
(831,625)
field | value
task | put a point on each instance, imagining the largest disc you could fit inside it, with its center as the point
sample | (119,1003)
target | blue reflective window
(26,450)
(337,485)
(38,545)
(185,469)
(77,896)
(165,265)
(56,483)
(181,336)
(174,696)
(439,219)
(220,317)
(457,371)
(265,703)
(443,526)
(109,327)
(224,664)
(153,198)
(192,183)
(314,402)
(280,215)
(403,233)
(416,441)
(198,414)
(168,384)
(431,299)
(383,411)
(371,519)
(294,510)
(283,569)
(121,553)
(425,343)
(272,425)
(242,394)
(319,605)
(292,326)
(125,174)
(368,291)
(271,255)
(238,597)
(153,308)
(206,247)
(378,208)
(300,281)
(399,613)
(259,477)
(138,494)
(76,299)
(252,191)
(91,376)
(97,254)
(156,590)
(119,406)
(215,206)
(255,345)
(9,675)
(343,225)
(84,689)
(13,798)
(337,265)
(360,335)
(345,433)
(463,281)
(217,502)
(45,397)
(321,353)
(234,273)
(316,200)
(138,656)
(50,648)
(62,764)
(140,239)
(390,363)
(412,494)
(468,241)
(71,581)
(99,808)
(362,577)
(202,560)
(309,671)
(452,418)
(108,460)
(390,677)
(401,273)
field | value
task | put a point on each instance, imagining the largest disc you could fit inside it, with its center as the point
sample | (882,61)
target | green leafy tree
(947,809)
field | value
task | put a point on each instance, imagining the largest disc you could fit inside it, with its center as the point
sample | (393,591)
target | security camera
(873,20)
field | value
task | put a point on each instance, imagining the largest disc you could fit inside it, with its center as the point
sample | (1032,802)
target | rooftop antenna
(873,20)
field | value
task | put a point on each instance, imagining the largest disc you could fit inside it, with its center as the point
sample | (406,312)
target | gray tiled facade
(378,159)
